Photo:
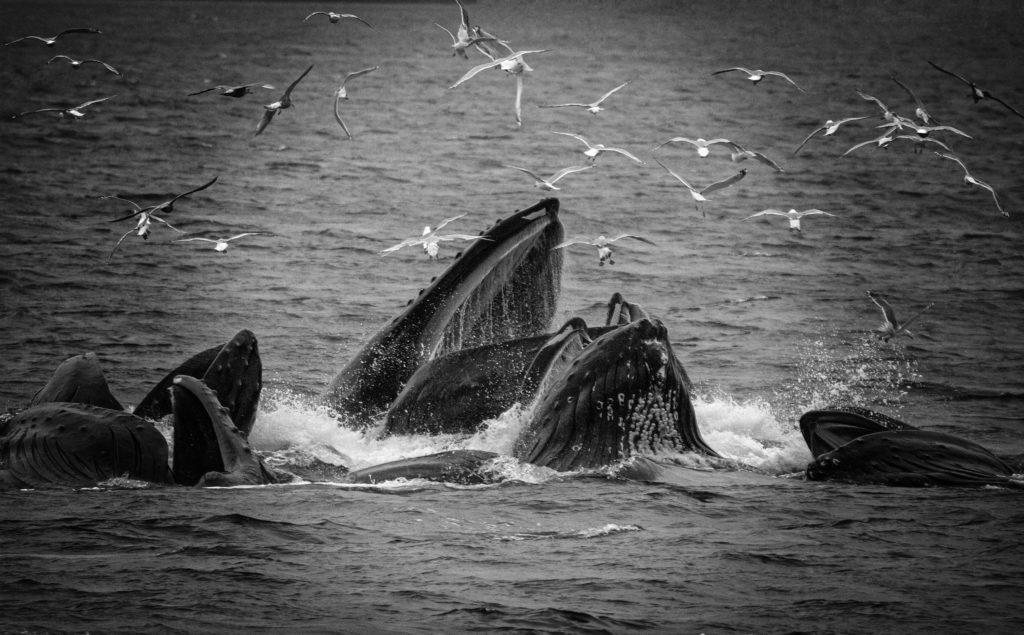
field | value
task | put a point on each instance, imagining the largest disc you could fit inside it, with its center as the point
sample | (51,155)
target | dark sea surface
(769,324)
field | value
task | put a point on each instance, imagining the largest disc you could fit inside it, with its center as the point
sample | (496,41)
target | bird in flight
(50,41)
(978,93)
(221,244)
(919,110)
(549,183)
(232,91)
(146,215)
(891,327)
(285,101)
(969,179)
(604,250)
(595,150)
(342,95)
(594,106)
(703,145)
(76,64)
(829,128)
(793,216)
(430,239)
(77,112)
(699,195)
(757,75)
(337,17)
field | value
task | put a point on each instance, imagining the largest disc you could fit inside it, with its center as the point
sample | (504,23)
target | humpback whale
(75,433)
(857,445)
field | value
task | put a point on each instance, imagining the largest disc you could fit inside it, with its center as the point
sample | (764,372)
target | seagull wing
(317,13)
(953,157)
(624,153)
(564,105)
(119,241)
(810,212)
(1005,105)
(734,68)
(268,114)
(519,99)
(534,175)
(104,64)
(763,159)
(460,237)
(95,101)
(676,140)
(288,91)
(906,323)
(79,30)
(205,90)
(446,221)
(247,234)
(766,212)
(724,182)
(939,68)
(988,187)
(356,17)
(574,241)
(808,138)
(574,136)
(473,72)
(192,191)
(193,238)
(358,74)
(337,117)
(57,57)
(785,77)
(611,92)
(452,35)
(677,177)
(887,312)
(864,143)
(405,243)
(634,236)
(569,170)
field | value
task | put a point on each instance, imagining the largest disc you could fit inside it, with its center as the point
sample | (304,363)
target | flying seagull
(221,244)
(604,250)
(891,327)
(758,75)
(74,111)
(76,64)
(793,216)
(285,101)
(595,150)
(699,195)
(549,183)
(829,128)
(232,91)
(430,238)
(977,93)
(594,106)
(969,179)
(337,17)
(50,41)
(342,95)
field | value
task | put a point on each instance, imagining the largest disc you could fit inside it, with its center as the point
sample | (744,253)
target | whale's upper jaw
(503,286)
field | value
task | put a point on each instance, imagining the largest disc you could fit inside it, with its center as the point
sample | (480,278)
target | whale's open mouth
(503,286)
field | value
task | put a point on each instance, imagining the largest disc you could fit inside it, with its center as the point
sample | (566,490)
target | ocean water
(767,323)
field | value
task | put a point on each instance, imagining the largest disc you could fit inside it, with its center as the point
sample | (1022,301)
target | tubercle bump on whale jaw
(427,327)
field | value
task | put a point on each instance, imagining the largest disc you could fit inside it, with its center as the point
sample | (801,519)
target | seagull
(595,149)
(464,40)
(892,327)
(164,208)
(142,226)
(430,239)
(75,64)
(221,244)
(793,216)
(549,183)
(74,111)
(337,17)
(50,41)
(698,195)
(604,250)
(973,181)
(285,101)
(977,93)
(703,145)
(829,128)
(512,64)
(342,95)
(923,131)
(758,75)
(919,109)
(232,91)
(887,113)
(594,106)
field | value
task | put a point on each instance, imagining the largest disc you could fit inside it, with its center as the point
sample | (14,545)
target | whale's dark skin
(624,395)
(857,445)
(502,287)
(78,379)
(65,443)
(234,370)
(79,445)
